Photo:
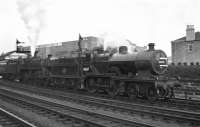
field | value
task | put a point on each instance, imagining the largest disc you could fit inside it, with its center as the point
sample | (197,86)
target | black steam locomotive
(134,75)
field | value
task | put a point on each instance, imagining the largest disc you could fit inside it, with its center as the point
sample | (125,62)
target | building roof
(197,37)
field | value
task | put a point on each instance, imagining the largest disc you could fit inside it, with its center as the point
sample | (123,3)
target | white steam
(32,13)
(113,40)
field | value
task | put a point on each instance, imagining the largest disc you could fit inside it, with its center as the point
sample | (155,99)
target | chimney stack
(151,46)
(190,33)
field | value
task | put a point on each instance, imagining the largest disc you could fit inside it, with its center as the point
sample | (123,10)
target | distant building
(69,48)
(186,50)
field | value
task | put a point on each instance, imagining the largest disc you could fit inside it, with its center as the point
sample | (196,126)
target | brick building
(186,50)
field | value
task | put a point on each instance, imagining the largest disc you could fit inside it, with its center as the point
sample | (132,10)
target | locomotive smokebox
(151,46)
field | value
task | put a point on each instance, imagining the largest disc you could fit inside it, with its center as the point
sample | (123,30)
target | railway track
(60,112)
(182,118)
(180,104)
(8,119)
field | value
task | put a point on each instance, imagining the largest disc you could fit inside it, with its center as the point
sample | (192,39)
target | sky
(140,21)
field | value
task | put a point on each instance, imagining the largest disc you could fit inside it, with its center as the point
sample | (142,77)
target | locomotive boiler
(151,61)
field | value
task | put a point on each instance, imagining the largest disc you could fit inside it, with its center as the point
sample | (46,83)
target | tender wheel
(132,92)
(113,89)
(91,86)
(152,94)
(46,82)
(35,82)
(77,84)
(70,84)
(42,82)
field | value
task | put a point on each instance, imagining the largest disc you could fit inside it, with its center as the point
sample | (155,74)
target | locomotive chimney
(151,46)
(190,33)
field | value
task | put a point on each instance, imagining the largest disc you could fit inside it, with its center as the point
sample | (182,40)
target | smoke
(114,40)
(32,13)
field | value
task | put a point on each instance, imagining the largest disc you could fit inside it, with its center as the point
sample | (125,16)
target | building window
(189,47)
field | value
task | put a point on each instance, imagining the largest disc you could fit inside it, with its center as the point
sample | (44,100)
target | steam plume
(113,40)
(32,13)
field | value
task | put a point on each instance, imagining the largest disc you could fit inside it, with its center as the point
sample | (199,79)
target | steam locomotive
(134,75)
